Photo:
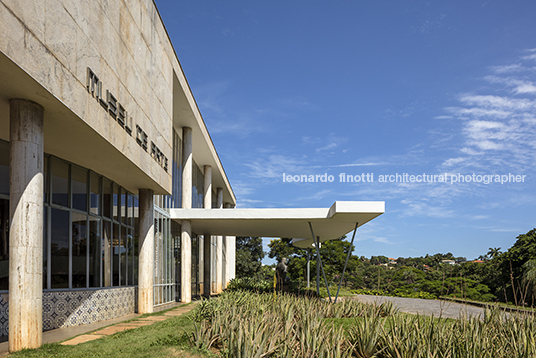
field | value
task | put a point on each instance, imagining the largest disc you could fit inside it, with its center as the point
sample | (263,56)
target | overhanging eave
(329,223)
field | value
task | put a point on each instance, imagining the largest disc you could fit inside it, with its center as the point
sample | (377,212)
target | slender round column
(186,228)
(228,255)
(204,249)
(207,198)
(146,252)
(186,261)
(219,249)
(26,225)
(187,165)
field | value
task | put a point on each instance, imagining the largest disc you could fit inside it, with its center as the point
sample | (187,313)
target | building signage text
(116,110)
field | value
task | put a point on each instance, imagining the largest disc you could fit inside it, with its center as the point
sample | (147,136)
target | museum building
(100,136)
(113,199)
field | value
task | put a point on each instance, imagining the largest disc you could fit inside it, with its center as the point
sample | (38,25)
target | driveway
(437,308)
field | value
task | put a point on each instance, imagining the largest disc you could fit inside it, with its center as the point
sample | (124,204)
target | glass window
(123,254)
(176,172)
(60,182)
(95,194)
(4,167)
(198,186)
(82,249)
(79,188)
(107,198)
(131,257)
(94,252)
(115,256)
(123,206)
(136,239)
(45,247)
(157,249)
(46,180)
(59,249)
(106,253)
(79,250)
(176,235)
(116,203)
(194,270)
(4,244)
(130,210)
(136,213)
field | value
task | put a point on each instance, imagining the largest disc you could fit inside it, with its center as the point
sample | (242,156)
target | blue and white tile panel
(74,308)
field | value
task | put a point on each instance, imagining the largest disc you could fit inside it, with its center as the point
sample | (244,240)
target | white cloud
(366,164)
(331,142)
(507,68)
(478,112)
(310,140)
(318,195)
(479,217)
(486,145)
(498,128)
(382,240)
(529,57)
(453,161)
(503,103)
(327,147)
(470,151)
(421,208)
(520,86)
(273,166)
(526,88)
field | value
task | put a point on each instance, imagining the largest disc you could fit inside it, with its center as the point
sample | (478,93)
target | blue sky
(379,87)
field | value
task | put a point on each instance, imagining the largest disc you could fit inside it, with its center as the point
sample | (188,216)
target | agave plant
(365,336)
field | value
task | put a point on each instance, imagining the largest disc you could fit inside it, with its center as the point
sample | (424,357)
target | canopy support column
(308,268)
(321,266)
(346,263)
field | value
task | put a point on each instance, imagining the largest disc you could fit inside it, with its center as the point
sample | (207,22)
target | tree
(249,254)
(529,277)
(283,247)
(334,254)
(512,261)
(297,265)
(493,252)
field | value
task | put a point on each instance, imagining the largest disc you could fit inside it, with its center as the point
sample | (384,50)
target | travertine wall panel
(31,14)
(125,45)
(60,33)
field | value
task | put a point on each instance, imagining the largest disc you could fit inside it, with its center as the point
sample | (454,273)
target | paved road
(445,309)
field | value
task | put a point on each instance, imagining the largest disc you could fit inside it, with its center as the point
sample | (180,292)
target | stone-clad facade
(94,113)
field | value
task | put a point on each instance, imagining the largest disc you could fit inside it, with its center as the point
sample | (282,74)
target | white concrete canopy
(328,223)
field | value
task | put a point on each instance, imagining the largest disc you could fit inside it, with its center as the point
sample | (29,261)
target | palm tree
(493,252)
(529,276)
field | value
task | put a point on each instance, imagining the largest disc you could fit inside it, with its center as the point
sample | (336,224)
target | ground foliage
(508,276)
(249,254)
(168,338)
(243,324)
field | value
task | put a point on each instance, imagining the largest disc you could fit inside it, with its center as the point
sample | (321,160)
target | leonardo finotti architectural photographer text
(406,178)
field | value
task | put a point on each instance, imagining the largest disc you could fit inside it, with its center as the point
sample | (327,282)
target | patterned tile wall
(4,313)
(73,308)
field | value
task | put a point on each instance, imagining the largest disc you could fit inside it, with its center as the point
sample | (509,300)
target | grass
(248,325)
(333,291)
(161,339)
(490,304)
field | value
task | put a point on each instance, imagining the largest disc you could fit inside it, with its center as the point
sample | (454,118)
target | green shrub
(250,284)
(408,293)
(243,324)
(364,291)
